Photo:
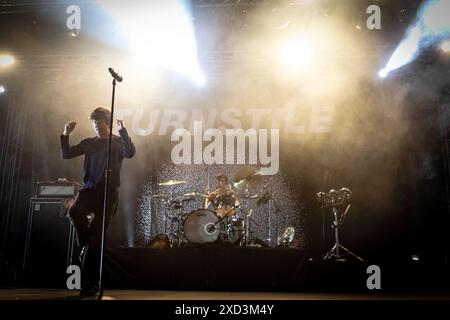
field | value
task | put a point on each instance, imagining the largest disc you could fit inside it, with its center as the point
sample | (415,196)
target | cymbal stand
(272,204)
(165,217)
(247,226)
(269,222)
(168,216)
(171,204)
(244,239)
(277,211)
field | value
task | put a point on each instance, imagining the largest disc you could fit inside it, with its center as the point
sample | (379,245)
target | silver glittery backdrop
(152,206)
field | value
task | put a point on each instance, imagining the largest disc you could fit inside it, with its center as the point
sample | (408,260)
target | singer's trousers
(86,215)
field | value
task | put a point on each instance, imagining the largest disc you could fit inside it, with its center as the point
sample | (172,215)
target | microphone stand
(325,176)
(106,195)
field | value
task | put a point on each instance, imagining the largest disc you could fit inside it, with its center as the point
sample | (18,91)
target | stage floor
(61,294)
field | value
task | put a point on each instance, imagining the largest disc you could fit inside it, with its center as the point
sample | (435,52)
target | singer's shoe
(83,254)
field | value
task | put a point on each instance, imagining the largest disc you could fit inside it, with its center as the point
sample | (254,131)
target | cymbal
(247,178)
(250,183)
(255,196)
(244,172)
(195,194)
(171,182)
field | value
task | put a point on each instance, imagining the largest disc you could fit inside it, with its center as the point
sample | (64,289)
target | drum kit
(224,217)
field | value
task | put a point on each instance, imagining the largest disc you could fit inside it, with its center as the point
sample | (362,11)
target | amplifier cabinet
(49,245)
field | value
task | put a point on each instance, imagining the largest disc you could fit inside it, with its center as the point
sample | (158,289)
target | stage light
(2,89)
(415,257)
(296,54)
(405,52)
(159,35)
(435,16)
(199,80)
(383,73)
(160,242)
(445,46)
(6,60)
(74,33)
(431,26)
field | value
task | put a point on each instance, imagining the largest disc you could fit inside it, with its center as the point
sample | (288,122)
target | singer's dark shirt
(96,150)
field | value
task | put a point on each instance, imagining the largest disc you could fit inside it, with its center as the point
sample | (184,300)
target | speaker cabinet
(49,247)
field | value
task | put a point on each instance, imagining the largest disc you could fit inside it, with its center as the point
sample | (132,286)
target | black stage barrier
(220,268)
(228,268)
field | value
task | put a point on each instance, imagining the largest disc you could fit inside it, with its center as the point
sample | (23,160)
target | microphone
(115,75)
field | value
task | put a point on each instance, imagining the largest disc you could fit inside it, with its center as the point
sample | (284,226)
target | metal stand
(246,227)
(245,236)
(272,203)
(333,199)
(336,251)
(267,198)
(168,214)
(106,195)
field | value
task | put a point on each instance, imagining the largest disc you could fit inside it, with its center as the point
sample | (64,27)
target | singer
(86,211)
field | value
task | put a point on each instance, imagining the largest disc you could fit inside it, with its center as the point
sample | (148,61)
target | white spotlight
(199,80)
(160,35)
(6,60)
(74,33)
(383,73)
(296,54)
(445,46)
(2,89)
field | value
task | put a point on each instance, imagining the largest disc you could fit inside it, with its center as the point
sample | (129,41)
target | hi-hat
(171,182)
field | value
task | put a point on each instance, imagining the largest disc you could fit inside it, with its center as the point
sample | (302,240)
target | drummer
(223,199)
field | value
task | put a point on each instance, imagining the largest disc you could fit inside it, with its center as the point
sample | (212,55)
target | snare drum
(201,226)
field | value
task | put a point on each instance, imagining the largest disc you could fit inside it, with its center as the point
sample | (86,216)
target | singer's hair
(101,113)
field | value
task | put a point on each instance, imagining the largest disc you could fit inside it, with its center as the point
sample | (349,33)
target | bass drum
(200,226)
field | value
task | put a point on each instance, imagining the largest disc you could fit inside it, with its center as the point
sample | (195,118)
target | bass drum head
(200,226)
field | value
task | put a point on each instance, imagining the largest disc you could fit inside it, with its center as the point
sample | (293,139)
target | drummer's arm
(212,195)
(209,199)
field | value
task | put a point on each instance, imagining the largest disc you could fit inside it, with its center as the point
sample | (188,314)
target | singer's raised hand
(120,124)
(69,127)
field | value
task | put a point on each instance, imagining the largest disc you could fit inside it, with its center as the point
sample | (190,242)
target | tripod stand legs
(334,253)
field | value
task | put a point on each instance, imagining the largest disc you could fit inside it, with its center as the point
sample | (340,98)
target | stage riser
(260,269)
